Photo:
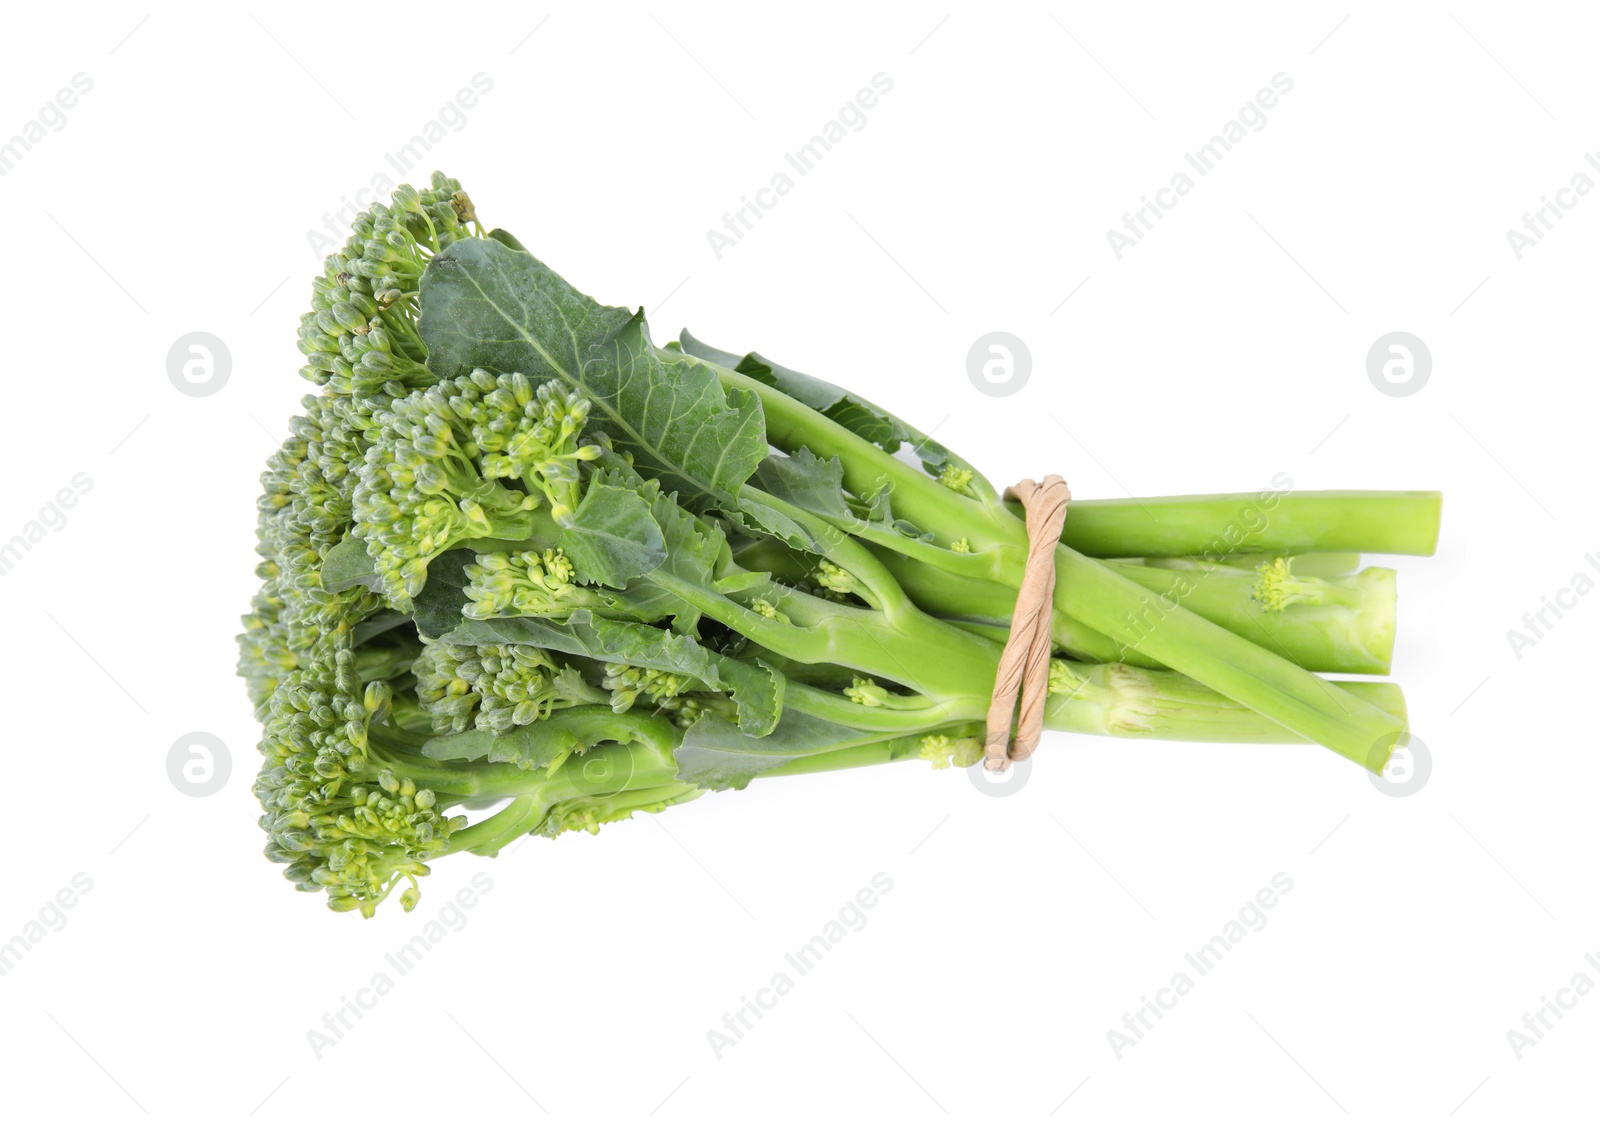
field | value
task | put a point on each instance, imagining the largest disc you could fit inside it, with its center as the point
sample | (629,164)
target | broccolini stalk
(1277,688)
(1130,702)
(1330,564)
(1355,637)
(1343,625)
(1110,700)
(1086,589)
(1277,586)
(1276,521)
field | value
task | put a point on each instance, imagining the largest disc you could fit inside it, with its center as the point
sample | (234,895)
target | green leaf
(349,564)
(735,583)
(542,745)
(437,608)
(810,483)
(609,641)
(817,487)
(694,347)
(707,762)
(469,745)
(757,690)
(375,625)
(487,305)
(570,685)
(551,741)
(693,550)
(613,537)
(873,424)
(717,755)
(862,417)
(758,518)
(500,235)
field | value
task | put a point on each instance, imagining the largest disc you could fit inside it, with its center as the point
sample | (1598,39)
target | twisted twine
(1025,663)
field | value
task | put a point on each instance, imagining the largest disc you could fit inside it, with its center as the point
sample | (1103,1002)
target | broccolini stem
(933,658)
(1117,701)
(1215,526)
(603,780)
(1345,624)
(1355,639)
(459,781)
(1210,526)
(1107,698)
(832,707)
(1250,675)
(883,589)
(1089,592)
(1332,564)
(1127,702)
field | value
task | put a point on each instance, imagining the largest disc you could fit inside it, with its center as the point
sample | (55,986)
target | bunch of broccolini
(516,556)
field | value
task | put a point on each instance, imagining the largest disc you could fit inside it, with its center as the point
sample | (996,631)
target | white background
(1228,346)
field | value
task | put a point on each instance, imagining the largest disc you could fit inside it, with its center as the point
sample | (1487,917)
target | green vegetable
(524,571)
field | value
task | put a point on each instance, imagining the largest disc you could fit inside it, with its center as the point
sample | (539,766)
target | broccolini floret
(494,687)
(360,338)
(342,808)
(437,472)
